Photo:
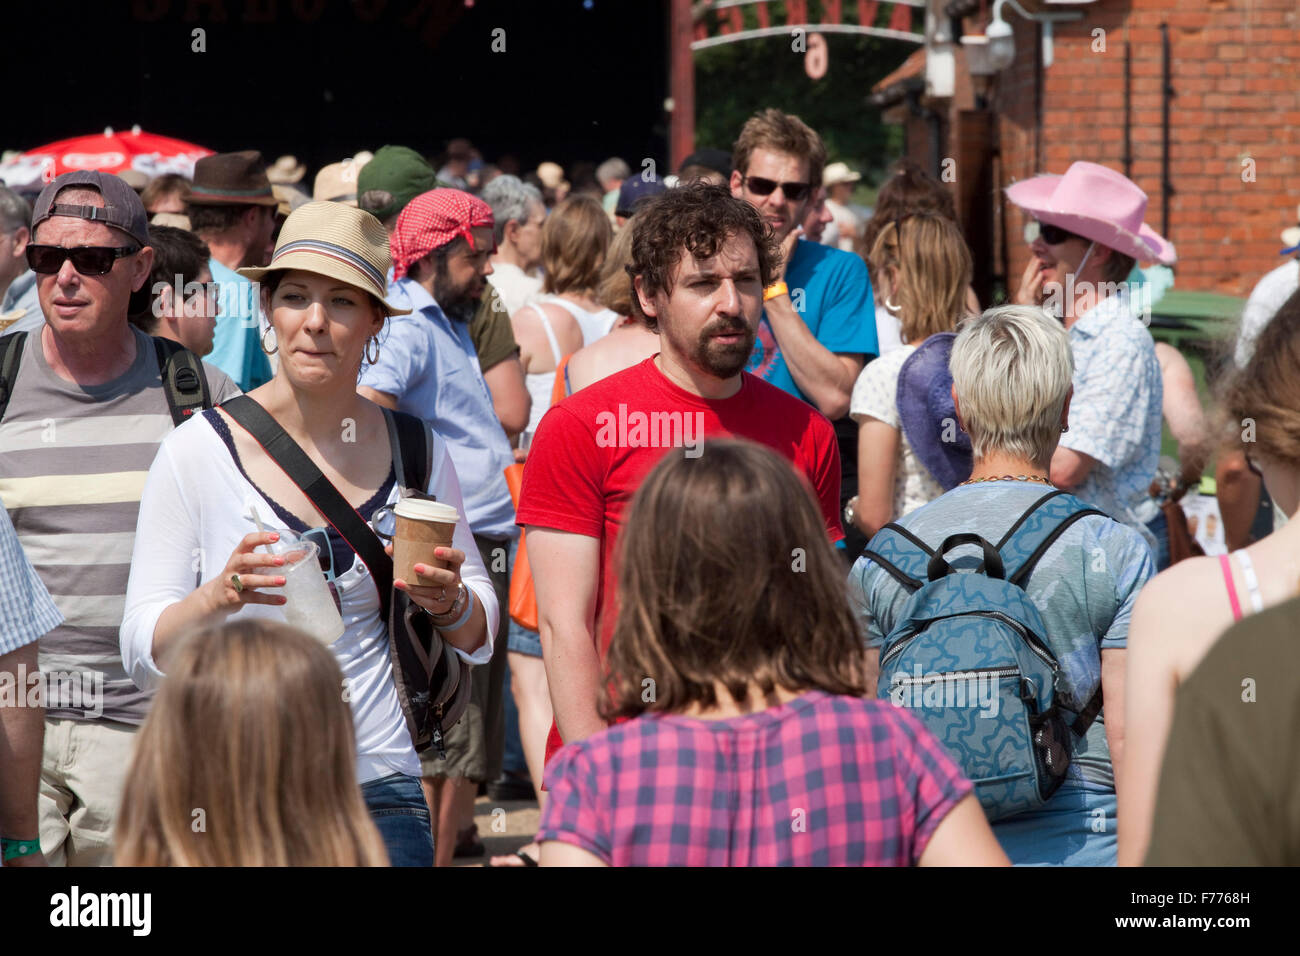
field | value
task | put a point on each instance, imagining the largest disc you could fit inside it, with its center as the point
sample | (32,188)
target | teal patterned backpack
(968,656)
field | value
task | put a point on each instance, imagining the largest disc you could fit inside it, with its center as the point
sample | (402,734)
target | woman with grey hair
(518,214)
(1012,371)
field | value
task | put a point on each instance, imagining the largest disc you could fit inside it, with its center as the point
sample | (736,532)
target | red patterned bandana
(433,219)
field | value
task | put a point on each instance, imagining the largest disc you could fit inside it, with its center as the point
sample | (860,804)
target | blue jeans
(1074,828)
(397,807)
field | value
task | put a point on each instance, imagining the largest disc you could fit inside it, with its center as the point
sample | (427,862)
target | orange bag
(523,598)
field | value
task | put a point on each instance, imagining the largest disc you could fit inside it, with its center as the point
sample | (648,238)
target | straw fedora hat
(334,240)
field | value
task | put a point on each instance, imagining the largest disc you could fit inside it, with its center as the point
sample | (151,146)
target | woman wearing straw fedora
(1086,232)
(216,501)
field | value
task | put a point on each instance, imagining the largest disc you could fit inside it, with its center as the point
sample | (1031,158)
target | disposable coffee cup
(422,526)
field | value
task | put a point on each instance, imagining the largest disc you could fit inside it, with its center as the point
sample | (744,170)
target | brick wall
(1234,66)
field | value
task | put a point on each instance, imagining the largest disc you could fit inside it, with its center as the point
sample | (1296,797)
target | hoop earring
(890,305)
(374,339)
(263,340)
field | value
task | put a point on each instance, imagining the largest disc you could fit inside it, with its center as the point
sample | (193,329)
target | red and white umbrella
(110,151)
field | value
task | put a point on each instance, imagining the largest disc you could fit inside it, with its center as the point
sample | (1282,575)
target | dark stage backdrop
(322,79)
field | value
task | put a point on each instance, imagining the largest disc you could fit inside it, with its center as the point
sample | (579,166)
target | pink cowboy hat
(1097,203)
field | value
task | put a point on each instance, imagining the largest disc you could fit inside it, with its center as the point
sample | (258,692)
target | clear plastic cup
(310,605)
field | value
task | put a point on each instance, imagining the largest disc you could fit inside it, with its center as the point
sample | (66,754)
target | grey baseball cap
(122,206)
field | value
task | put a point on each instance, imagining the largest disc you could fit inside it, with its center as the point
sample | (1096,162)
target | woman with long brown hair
(247,758)
(922,267)
(740,665)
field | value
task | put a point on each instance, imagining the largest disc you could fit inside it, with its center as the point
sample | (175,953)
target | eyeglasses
(765,187)
(1052,235)
(88,260)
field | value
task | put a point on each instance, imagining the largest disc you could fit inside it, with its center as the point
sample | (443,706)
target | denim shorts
(519,639)
(397,807)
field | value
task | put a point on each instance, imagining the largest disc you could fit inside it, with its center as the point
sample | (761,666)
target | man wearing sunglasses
(1085,232)
(818,326)
(86,411)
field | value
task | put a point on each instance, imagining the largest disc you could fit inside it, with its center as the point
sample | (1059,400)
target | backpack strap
(1025,544)
(412,451)
(1037,529)
(11,354)
(902,555)
(184,382)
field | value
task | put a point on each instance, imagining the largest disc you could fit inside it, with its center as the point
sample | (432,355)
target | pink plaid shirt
(823,780)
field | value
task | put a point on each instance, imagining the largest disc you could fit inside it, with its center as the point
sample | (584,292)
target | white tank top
(594,325)
(540,384)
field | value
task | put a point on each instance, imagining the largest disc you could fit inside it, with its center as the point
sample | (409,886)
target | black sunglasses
(1054,235)
(765,187)
(88,260)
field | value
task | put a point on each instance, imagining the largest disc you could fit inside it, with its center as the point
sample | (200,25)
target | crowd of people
(773,545)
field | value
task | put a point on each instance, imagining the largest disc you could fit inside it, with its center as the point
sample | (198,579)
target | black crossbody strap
(302,471)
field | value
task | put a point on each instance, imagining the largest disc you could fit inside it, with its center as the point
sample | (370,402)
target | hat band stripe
(336,252)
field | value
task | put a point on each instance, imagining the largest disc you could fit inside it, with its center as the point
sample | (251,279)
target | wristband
(13,849)
(776,288)
(464,615)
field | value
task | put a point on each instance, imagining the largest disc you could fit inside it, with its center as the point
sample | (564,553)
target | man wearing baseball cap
(1086,232)
(428,367)
(232,208)
(85,413)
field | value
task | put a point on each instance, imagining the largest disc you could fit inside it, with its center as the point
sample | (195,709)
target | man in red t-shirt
(700,262)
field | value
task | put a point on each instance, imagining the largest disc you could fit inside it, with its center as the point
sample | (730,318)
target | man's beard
(458,304)
(723,360)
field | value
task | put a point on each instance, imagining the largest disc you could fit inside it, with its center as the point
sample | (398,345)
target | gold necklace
(1038,478)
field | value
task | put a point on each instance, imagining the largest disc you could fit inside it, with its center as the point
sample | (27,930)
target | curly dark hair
(697,218)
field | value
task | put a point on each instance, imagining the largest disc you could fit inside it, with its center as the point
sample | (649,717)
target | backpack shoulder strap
(184,382)
(11,354)
(901,554)
(412,451)
(1037,529)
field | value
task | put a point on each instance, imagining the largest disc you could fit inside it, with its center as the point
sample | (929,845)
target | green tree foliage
(734,80)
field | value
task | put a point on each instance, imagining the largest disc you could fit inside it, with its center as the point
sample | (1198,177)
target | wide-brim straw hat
(1097,203)
(334,240)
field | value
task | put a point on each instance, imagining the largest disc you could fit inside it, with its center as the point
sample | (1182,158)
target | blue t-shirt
(236,341)
(831,291)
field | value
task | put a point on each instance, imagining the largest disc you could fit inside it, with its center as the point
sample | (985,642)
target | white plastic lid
(421,510)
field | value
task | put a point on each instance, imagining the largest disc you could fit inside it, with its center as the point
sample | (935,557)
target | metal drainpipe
(1128,109)
(1166,95)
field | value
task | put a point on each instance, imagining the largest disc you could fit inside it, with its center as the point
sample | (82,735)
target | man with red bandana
(427,366)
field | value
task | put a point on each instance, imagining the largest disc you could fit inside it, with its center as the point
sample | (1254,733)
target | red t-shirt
(593,449)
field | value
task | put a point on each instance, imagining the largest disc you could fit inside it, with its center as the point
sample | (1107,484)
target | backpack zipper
(1032,640)
(957,675)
